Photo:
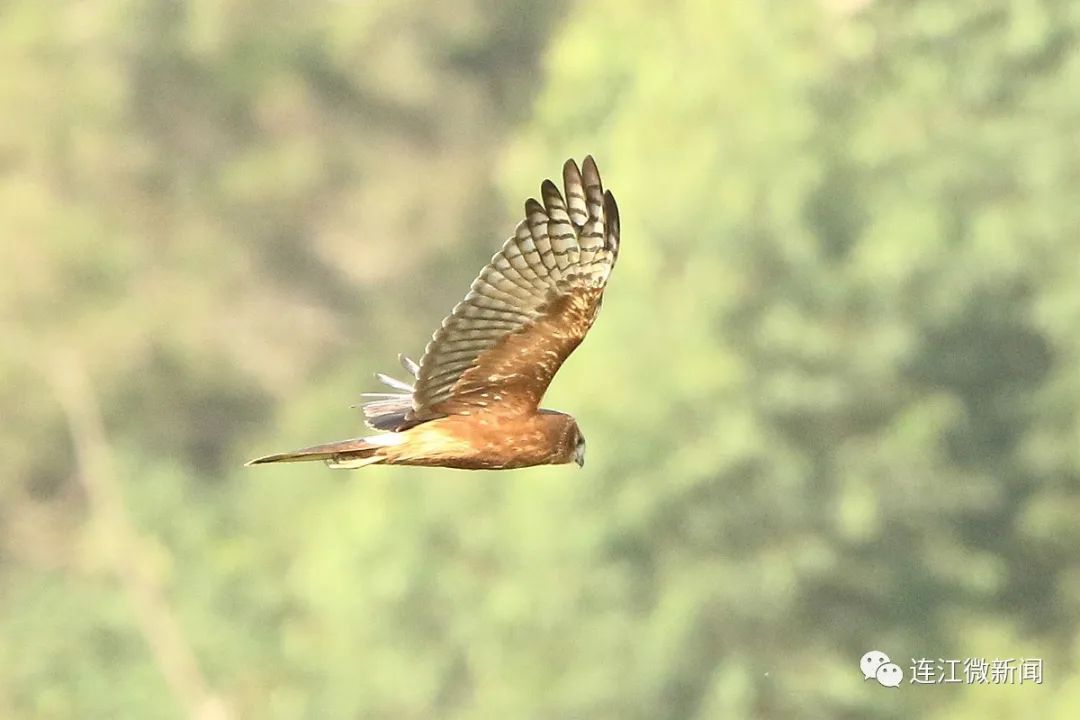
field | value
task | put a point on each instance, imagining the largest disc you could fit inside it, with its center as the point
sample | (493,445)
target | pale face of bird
(573,442)
(579,450)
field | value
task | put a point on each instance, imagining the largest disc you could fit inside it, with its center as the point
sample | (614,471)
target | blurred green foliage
(831,402)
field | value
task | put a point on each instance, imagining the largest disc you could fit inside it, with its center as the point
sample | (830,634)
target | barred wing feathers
(528,309)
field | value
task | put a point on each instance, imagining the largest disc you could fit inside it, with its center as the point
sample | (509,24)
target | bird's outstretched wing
(529,308)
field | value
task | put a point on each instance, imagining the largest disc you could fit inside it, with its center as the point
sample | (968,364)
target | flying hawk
(474,401)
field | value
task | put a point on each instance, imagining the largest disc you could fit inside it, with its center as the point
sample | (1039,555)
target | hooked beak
(579,458)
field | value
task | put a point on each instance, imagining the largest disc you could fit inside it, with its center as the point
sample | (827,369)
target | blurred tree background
(831,404)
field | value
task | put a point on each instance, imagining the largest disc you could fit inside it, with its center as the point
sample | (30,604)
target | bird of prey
(474,400)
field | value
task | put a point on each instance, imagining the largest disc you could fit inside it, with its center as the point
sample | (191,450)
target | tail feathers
(340,462)
(410,365)
(354,453)
(387,413)
(387,410)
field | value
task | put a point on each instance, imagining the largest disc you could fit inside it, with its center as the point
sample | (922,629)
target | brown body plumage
(475,401)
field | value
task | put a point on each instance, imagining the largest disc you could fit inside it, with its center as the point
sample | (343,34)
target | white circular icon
(870,662)
(890,675)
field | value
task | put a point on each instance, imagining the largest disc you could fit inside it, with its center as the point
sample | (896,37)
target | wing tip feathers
(611,219)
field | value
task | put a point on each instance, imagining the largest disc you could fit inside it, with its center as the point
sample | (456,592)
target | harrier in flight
(474,402)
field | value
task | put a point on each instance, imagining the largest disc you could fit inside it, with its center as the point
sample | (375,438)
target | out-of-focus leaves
(830,403)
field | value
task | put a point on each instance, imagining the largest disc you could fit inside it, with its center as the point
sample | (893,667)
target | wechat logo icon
(877,666)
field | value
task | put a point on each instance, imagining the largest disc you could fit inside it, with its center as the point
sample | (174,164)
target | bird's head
(579,450)
(565,435)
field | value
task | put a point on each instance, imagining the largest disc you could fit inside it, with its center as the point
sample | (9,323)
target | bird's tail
(344,454)
(389,410)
